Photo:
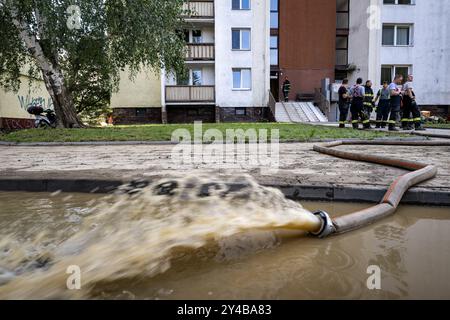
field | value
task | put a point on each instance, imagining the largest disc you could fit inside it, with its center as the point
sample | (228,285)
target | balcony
(200,52)
(190,94)
(199,9)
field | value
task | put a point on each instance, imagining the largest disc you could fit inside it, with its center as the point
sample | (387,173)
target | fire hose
(419,172)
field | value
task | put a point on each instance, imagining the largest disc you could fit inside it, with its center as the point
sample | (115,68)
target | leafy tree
(80,46)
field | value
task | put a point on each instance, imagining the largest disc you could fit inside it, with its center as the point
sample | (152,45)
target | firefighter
(395,101)
(357,105)
(344,103)
(411,108)
(368,104)
(406,111)
(383,97)
(286,89)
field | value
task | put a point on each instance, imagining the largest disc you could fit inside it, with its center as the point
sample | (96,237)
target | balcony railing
(200,94)
(199,9)
(200,51)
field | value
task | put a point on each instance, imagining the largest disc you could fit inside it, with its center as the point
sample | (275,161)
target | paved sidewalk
(299,165)
(432,132)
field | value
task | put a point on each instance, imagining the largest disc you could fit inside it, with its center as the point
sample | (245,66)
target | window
(403,36)
(341,50)
(186,35)
(342,14)
(192,112)
(388,72)
(273,50)
(274,14)
(409,2)
(240,4)
(242,79)
(397,35)
(182,79)
(197,77)
(240,111)
(197,36)
(192,77)
(240,39)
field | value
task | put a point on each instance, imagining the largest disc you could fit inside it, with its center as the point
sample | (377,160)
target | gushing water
(139,233)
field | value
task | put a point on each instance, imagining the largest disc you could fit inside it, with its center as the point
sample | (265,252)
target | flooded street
(411,249)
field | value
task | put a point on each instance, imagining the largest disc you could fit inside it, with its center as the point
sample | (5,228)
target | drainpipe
(163,97)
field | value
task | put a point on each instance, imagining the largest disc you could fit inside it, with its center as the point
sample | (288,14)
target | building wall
(428,55)
(359,39)
(257,19)
(13,105)
(307,48)
(144,91)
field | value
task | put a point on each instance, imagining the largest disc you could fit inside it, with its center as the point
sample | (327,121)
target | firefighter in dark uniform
(395,101)
(411,116)
(357,106)
(344,103)
(369,104)
(286,89)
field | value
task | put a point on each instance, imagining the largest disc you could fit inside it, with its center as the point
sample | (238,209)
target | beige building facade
(13,105)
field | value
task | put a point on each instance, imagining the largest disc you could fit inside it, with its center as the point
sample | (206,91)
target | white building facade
(228,62)
(388,37)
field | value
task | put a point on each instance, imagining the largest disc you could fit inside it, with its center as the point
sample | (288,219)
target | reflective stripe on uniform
(417,119)
(366,121)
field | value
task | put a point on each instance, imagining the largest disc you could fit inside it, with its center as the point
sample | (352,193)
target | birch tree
(63,41)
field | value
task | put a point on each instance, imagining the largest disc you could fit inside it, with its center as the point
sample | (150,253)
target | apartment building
(389,37)
(302,42)
(228,69)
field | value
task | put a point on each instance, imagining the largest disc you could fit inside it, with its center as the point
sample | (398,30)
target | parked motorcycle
(44,118)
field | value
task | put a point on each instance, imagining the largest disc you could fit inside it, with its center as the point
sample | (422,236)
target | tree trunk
(52,74)
(62,100)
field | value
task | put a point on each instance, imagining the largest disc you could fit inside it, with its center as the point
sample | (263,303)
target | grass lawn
(438,125)
(288,132)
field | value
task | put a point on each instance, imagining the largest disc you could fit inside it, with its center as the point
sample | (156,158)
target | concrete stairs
(298,112)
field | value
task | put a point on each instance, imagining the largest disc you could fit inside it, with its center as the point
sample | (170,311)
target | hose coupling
(327,225)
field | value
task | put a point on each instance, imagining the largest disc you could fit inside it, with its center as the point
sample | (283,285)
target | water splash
(138,234)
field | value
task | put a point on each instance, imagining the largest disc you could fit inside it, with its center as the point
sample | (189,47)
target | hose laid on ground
(420,172)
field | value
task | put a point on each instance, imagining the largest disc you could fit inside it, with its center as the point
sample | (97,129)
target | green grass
(288,132)
(438,125)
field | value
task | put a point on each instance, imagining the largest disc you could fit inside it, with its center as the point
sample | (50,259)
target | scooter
(44,118)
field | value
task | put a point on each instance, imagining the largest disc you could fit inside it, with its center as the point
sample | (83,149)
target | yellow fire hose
(420,172)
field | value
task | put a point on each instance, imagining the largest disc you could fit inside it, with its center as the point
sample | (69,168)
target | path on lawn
(299,165)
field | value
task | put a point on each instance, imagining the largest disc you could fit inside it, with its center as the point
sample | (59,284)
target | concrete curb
(374,194)
(152,143)
(431,135)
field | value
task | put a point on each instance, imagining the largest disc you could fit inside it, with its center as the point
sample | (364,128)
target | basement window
(141,112)
(240,111)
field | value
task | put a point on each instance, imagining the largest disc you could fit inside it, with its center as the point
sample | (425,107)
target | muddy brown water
(411,249)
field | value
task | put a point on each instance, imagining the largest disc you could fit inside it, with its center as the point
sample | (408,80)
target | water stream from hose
(138,231)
